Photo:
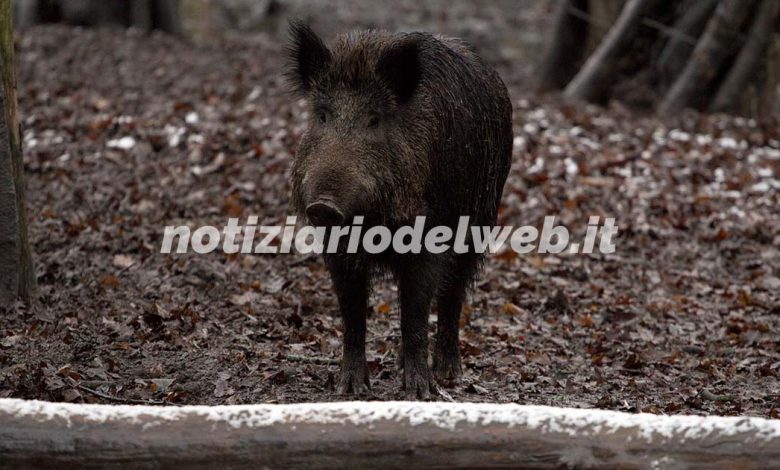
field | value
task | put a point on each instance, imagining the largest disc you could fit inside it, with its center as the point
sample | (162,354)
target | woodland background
(176,113)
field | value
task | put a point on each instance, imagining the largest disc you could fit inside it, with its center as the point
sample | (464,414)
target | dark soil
(683,318)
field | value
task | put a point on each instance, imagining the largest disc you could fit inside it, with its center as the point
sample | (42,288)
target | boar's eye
(373,122)
(322,116)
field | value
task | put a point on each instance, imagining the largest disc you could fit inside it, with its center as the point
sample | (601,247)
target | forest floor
(126,133)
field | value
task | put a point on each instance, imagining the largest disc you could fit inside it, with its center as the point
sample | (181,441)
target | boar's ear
(400,67)
(308,56)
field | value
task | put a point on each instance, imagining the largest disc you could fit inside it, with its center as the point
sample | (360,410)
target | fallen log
(376,434)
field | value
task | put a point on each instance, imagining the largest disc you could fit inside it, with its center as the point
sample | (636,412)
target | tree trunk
(686,31)
(166,16)
(25,13)
(711,53)
(155,14)
(16,272)
(602,15)
(742,72)
(596,75)
(142,14)
(566,46)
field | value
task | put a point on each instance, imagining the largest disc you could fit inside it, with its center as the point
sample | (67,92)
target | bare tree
(711,53)
(749,60)
(591,81)
(143,14)
(565,52)
(675,54)
(16,272)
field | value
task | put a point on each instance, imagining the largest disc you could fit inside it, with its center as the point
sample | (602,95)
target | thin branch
(119,399)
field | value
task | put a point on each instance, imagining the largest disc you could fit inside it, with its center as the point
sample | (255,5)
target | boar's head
(364,152)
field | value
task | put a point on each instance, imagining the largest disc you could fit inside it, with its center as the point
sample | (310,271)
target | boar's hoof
(446,366)
(418,381)
(353,379)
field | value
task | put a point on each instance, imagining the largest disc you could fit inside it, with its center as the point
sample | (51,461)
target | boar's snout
(324,212)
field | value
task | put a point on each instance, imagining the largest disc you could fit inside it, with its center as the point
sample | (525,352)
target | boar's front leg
(451,295)
(417,286)
(352,289)
(446,354)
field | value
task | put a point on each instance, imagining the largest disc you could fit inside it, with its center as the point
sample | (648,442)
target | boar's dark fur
(401,125)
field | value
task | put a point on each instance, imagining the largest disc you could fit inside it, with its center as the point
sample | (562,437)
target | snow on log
(398,434)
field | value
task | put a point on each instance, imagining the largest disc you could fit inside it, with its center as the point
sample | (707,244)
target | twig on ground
(119,399)
(311,359)
(707,395)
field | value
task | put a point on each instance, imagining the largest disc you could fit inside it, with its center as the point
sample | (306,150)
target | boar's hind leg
(352,289)
(446,354)
(417,285)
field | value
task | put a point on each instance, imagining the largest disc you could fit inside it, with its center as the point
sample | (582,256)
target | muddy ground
(126,133)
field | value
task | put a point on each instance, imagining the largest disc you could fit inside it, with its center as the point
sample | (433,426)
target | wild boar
(401,125)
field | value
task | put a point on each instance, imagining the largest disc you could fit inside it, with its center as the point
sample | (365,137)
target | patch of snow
(772,153)
(195,139)
(590,143)
(730,143)
(255,93)
(761,187)
(175,135)
(123,143)
(703,139)
(537,166)
(192,118)
(537,114)
(679,136)
(571,167)
(736,211)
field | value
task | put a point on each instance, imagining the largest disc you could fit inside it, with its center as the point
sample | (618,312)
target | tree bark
(688,28)
(142,14)
(16,273)
(162,15)
(166,16)
(596,75)
(375,435)
(603,14)
(25,13)
(711,53)
(566,46)
(742,72)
